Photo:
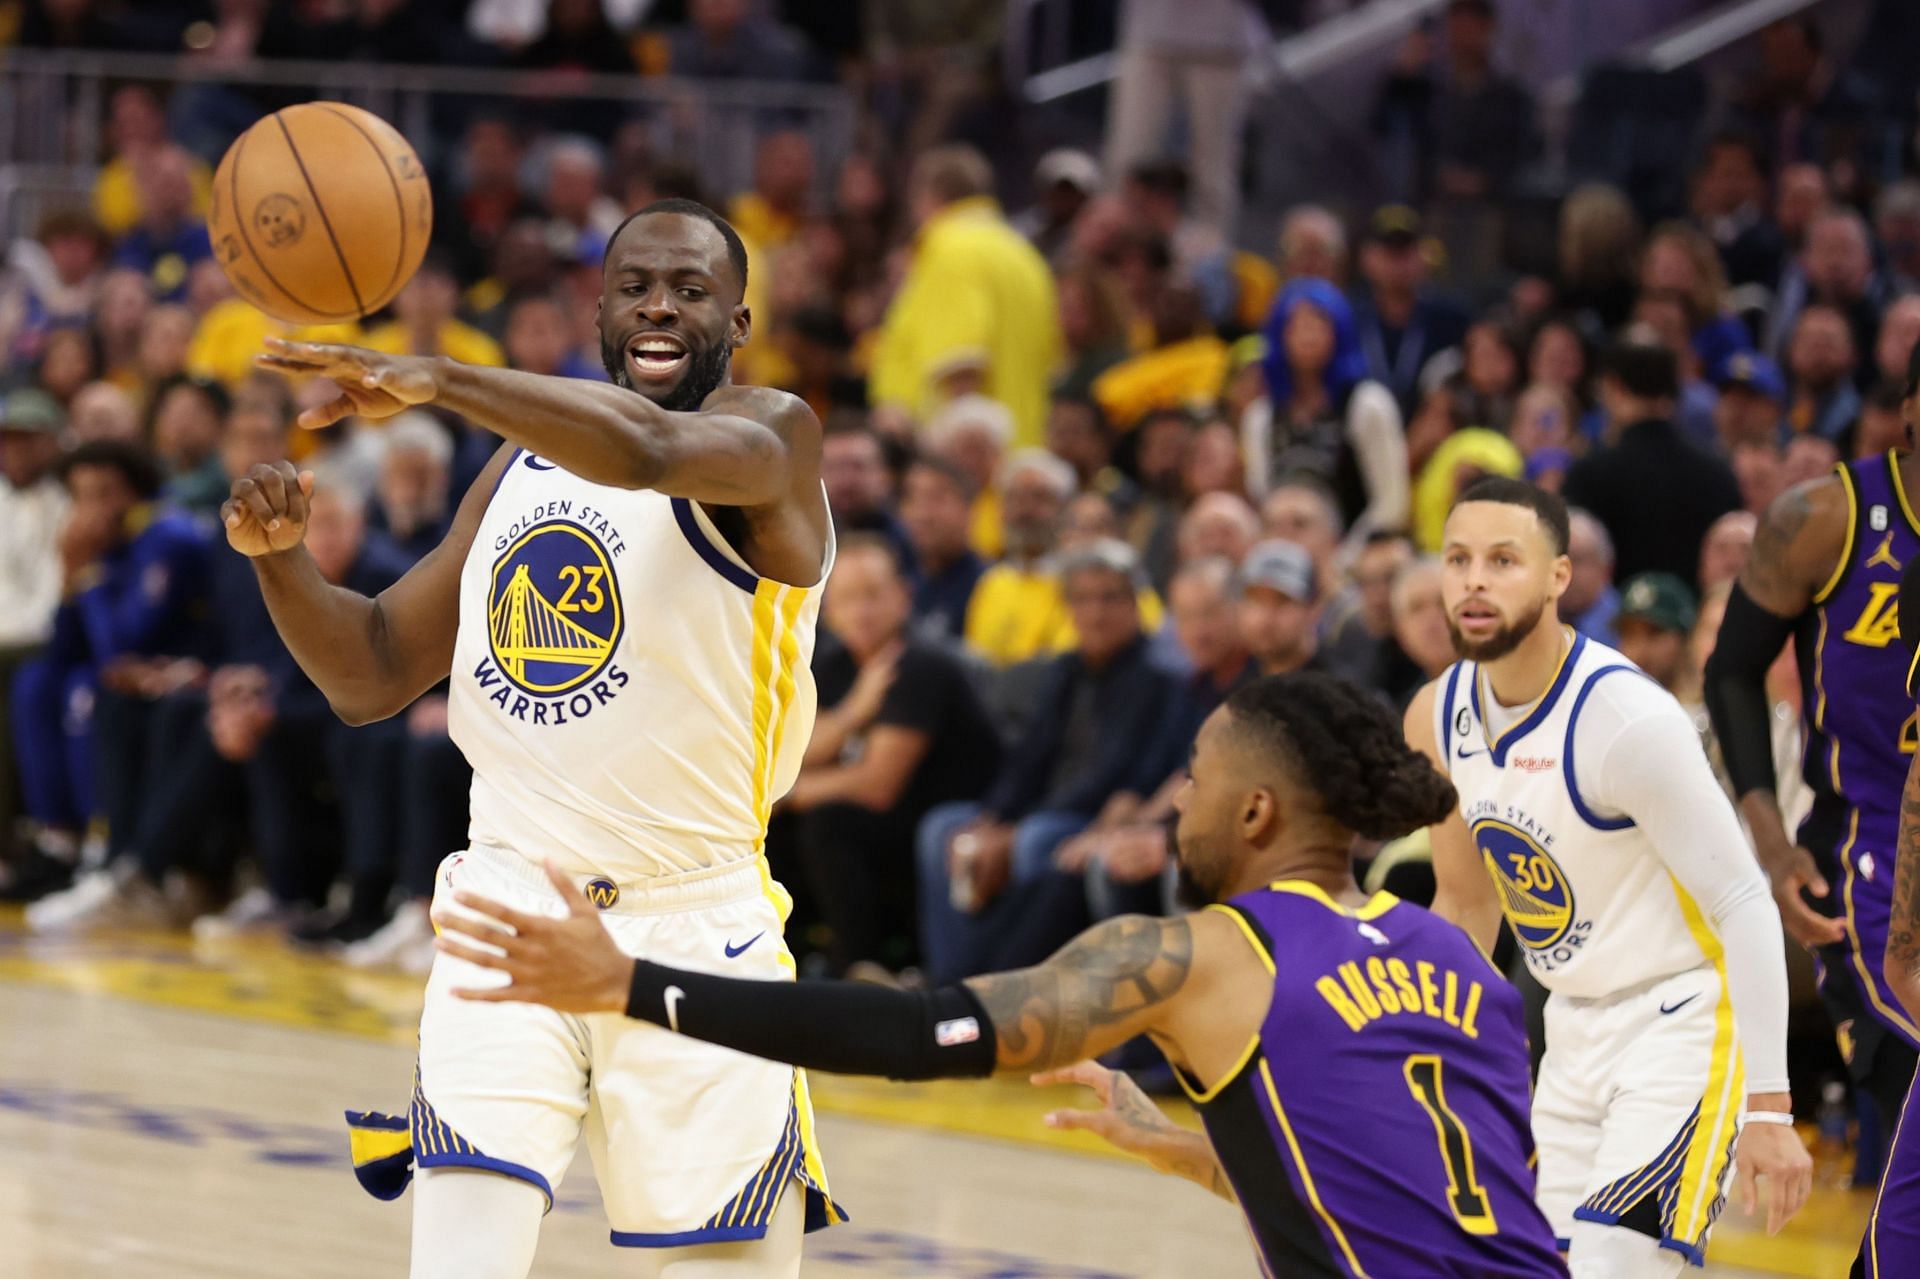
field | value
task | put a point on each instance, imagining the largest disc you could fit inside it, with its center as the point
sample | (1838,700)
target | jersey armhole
(1443,735)
(705,539)
(1845,566)
(1587,814)
(1262,946)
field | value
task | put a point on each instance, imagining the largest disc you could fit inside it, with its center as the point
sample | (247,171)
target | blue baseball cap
(1754,373)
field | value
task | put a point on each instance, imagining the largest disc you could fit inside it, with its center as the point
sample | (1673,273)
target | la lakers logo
(1534,893)
(603,893)
(553,613)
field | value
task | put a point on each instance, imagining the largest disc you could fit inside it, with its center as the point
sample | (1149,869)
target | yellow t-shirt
(1189,374)
(1016,614)
(760,222)
(232,332)
(458,341)
(977,293)
(985,532)
(1486,452)
(116,197)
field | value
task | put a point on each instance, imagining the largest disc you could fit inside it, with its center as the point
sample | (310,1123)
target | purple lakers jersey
(1379,1124)
(1859,729)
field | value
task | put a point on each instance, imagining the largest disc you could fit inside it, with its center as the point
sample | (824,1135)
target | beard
(1501,642)
(706,371)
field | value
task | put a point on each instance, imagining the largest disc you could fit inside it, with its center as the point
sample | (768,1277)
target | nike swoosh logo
(1460,754)
(1664,1009)
(535,464)
(673,997)
(734,952)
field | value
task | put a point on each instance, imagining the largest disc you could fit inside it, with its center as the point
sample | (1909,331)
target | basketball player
(1824,571)
(1891,1247)
(1361,1069)
(626,601)
(1589,815)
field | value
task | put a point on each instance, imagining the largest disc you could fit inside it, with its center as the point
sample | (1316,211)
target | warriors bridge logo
(553,622)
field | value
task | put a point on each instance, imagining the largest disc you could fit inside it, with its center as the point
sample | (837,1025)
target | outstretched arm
(1128,1118)
(371,657)
(1116,980)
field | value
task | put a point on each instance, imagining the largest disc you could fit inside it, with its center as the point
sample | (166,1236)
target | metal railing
(53,106)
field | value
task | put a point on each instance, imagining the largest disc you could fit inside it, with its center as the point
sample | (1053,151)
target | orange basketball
(321,213)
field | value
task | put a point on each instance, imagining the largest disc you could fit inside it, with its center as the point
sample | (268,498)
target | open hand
(372,385)
(1771,1159)
(569,963)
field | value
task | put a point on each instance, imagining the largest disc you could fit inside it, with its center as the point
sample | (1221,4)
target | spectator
(769,215)
(1482,120)
(1667,314)
(973,432)
(1094,324)
(1544,422)
(1184,367)
(489,195)
(1490,370)
(1808,457)
(935,500)
(853,466)
(414,503)
(1217,526)
(1724,551)
(727,40)
(1303,513)
(977,310)
(1729,204)
(1802,195)
(1077,434)
(1883,425)
(49,282)
(1760,469)
(33,505)
(1899,334)
(1820,364)
(1313,245)
(1591,603)
(1798,100)
(1063,182)
(1558,356)
(184,426)
(1098,704)
(164,346)
(1326,420)
(171,236)
(1656,628)
(131,587)
(136,130)
(1752,404)
(1896,224)
(1656,494)
(580,215)
(901,731)
(1422,638)
(1279,609)
(1359,627)
(815,342)
(578,39)
(1599,243)
(1158,444)
(1468,454)
(1835,267)
(1089,518)
(1190,57)
(102,411)
(1401,323)
(1681,260)
(424,322)
(119,319)
(70,360)
(538,339)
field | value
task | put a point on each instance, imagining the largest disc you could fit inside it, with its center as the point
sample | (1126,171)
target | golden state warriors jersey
(632,697)
(1593,907)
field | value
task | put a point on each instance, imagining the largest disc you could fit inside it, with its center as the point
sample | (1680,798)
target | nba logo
(602,892)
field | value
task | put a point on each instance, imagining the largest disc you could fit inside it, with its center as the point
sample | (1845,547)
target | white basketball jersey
(1594,909)
(632,697)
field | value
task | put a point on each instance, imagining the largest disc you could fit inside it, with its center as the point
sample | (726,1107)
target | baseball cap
(1282,566)
(1754,373)
(30,410)
(1659,599)
(1065,164)
(1395,224)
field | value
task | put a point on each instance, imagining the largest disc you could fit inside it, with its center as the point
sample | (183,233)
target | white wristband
(1781,1117)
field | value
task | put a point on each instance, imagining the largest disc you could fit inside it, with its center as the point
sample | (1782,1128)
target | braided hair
(1340,742)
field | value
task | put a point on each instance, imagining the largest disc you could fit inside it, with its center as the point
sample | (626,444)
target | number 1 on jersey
(1465,1195)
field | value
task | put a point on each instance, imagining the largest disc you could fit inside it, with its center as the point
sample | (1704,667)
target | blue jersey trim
(701,543)
(501,478)
(520,1172)
(1446,716)
(1587,815)
(1541,709)
(680,1239)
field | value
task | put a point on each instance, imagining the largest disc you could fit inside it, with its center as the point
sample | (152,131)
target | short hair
(1642,366)
(1058,475)
(1580,518)
(1101,555)
(954,172)
(970,410)
(879,545)
(949,470)
(1340,742)
(135,464)
(206,388)
(1162,176)
(1737,140)
(736,248)
(418,431)
(1550,508)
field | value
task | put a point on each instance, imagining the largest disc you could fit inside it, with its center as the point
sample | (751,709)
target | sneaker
(403,936)
(103,900)
(254,911)
(34,875)
(330,930)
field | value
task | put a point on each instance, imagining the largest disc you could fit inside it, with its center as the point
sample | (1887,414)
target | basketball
(320,213)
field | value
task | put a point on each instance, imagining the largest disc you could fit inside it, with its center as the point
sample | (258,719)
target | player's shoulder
(1810,513)
(1607,686)
(782,410)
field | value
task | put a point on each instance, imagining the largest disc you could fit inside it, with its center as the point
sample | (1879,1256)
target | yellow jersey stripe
(1853,528)
(815,1166)
(1375,906)
(1306,1178)
(1712,1143)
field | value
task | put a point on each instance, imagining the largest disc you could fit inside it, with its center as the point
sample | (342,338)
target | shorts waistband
(654,895)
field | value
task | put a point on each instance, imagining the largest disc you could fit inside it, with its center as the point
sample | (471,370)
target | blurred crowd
(1093,462)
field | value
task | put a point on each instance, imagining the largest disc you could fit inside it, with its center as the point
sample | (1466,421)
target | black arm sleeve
(1736,688)
(842,1027)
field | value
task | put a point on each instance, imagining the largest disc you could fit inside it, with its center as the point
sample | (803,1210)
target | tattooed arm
(1103,988)
(1903,928)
